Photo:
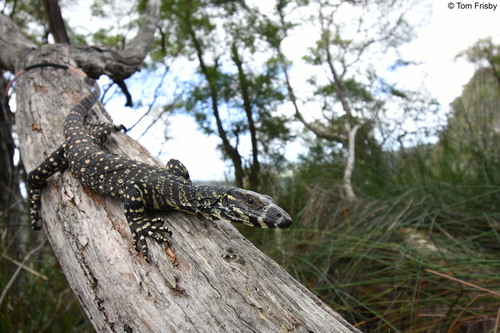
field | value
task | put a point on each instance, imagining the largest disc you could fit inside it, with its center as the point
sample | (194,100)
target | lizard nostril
(279,215)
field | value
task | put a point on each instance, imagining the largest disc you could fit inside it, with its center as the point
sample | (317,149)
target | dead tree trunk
(218,282)
(351,145)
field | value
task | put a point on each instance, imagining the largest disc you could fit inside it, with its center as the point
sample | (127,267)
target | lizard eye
(250,201)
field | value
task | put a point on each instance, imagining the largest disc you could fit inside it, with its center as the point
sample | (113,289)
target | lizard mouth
(256,210)
(275,220)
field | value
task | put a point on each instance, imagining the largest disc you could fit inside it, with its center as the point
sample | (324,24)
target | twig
(11,241)
(18,270)
(32,271)
(497,323)
(463,282)
(416,302)
(461,313)
(155,97)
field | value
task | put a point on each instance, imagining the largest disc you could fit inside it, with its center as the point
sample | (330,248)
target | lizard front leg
(100,131)
(50,165)
(140,226)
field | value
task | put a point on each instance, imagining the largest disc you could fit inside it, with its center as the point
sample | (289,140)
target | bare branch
(92,60)
(315,128)
(347,186)
(123,87)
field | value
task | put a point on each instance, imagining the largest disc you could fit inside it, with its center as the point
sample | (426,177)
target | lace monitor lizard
(141,185)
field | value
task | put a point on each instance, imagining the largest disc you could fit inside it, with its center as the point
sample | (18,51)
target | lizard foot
(148,228)
(36,221)
(36,224)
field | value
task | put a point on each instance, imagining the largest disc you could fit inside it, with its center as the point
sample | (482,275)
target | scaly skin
(142,186)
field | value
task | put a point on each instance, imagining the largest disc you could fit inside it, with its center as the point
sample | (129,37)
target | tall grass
(416,252)
(39,298)
(370,261)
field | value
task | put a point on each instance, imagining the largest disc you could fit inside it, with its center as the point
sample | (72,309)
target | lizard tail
(73,70)
(79,110)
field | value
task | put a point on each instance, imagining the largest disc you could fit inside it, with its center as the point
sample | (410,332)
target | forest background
(393,196)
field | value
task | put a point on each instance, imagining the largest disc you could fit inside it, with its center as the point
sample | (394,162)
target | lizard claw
(120,127)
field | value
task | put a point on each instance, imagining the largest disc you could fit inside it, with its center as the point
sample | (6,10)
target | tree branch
(12,43)
(123,87)
(92,60)
(315,128)
(244,87)
(231,151)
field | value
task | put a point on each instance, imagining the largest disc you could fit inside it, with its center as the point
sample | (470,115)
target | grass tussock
(38,298)
(424,260)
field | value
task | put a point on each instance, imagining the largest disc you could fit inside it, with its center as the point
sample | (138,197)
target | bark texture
(347,186)
(211,279)
(56,22)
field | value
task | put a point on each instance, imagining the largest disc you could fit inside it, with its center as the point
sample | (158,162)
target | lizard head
(251,208)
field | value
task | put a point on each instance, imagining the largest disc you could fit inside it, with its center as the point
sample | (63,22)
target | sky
(449,31)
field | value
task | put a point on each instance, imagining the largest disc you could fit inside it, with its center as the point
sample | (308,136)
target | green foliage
(29,15)
(97,8)
(367,259)
(473,132)
(233,97)
(104,36)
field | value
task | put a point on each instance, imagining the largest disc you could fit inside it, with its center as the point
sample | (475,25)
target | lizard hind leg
(140,226)
(177,168)
(50,165)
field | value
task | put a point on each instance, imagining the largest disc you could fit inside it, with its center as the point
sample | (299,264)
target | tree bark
(211,279)
(253,175)
(56,23)
(11,200)
(347,186)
